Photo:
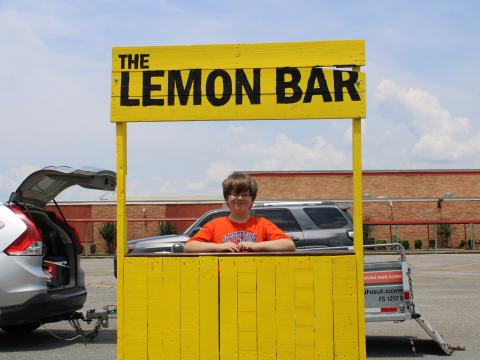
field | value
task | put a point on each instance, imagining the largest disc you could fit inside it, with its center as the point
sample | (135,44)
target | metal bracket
(100,318)
(447,349)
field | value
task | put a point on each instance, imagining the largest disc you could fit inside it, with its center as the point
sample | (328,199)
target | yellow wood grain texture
(172,307)
(247,308)
(304,309)
(156,309)
(358,230)
(261,307)
(189,309)
(285,305)
(323,291)
(265,58)
(345,308)
(121,148)
(209,308)
(265,55)
(266,324)
(228,309)
(136,314)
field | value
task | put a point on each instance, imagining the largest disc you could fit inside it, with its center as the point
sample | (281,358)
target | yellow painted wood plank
(209,308)
(325,53)
(358,228)
(266,106)
(156,309)
(215,87)
(228,309)
(285,309)
(304,309)
(266,326)
(121,148)
(135,320)
(345,308)
(247,307)
(189,309)
(323,291)
(172,303)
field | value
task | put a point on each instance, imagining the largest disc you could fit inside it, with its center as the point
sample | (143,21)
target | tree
(108,231)
(166,228)
(444,232)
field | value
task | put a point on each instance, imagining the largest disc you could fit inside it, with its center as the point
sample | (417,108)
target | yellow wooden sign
(305,80)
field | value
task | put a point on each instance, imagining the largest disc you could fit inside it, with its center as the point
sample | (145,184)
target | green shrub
(380,241)
(368,233)
(431,244)
(418,244)
(462,244)
(444,232)
(166,228)
(405,244)
(108,231)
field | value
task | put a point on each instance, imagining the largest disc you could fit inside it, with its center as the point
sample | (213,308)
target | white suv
(40,276)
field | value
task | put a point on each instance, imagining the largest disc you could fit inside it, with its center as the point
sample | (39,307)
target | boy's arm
(194,246)
(272,246)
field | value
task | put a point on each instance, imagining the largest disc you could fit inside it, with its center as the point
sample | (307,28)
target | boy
(239,231)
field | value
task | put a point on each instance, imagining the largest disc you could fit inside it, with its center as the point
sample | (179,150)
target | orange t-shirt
(223,229)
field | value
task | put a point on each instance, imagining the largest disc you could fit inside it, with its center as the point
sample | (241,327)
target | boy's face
(240,203)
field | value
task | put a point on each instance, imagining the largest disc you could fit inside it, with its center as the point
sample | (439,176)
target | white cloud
(285,154)
(440,136)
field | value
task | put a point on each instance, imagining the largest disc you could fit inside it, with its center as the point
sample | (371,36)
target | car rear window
(283,218)
(327,218)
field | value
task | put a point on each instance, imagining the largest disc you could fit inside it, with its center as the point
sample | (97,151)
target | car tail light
(30,242)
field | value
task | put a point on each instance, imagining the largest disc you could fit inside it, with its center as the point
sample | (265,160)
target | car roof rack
(294,203)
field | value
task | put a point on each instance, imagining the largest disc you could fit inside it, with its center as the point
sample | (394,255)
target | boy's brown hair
(237,183)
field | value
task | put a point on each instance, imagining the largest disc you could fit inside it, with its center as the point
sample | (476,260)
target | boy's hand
(248,246)
(228,247)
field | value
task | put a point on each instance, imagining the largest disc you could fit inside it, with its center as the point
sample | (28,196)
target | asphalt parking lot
(446,286)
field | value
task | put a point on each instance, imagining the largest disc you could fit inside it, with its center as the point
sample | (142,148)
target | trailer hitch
(100,320)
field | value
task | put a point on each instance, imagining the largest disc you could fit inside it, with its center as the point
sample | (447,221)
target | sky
(55,65)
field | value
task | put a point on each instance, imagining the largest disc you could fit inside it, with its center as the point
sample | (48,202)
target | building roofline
(425,172)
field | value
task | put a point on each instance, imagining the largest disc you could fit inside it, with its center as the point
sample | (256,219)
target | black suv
(310,224)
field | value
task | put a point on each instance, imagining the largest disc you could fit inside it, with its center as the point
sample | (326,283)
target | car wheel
(21,329)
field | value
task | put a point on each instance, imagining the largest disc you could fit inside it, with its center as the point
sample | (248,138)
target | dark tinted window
(327,218)
(191,232)
(283,218)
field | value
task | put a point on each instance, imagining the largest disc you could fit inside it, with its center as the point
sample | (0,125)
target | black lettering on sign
(282,85)
(241,82)
(226,91)
(134,61)
(144,58)
(148,87)
(122,57)
(349,84)
(175,82)
(124,89)
(317,76)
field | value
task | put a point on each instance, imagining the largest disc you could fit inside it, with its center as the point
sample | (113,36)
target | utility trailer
(389,293)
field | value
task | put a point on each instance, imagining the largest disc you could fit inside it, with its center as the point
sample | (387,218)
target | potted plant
(108,231)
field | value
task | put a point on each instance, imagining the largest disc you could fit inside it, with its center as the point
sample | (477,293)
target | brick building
(391,199)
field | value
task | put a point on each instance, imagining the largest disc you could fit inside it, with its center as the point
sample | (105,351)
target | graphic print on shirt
(240,236)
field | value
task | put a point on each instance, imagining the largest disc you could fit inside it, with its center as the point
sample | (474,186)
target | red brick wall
(339,185)
(186,211)
(333,186)
(336,186)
